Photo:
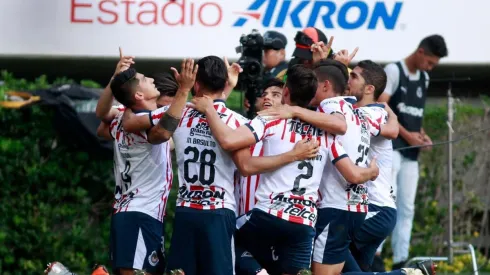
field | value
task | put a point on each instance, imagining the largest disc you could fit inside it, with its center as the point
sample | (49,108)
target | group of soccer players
(305,185)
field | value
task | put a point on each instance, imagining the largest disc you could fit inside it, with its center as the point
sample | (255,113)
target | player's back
(143,172)
(206,171)
(291,191)
(335,191)
(380,190)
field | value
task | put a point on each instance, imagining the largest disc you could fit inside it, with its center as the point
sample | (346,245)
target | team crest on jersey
(153,258)
(419,92)
(357,194)
(246,254)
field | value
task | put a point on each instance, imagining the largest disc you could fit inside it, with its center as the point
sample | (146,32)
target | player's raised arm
(233,71)
(332,123)
(103,110)
(228,138)
(135,124)
(165,127)
(248,165)
(104,131)
(351,172)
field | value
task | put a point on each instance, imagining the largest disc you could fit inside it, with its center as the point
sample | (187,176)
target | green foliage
(55,201)
(431,210)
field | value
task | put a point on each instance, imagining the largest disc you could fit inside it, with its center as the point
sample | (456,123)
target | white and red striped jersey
(206,171)
(335,191)
(380,190)
(290,192)
(143,172)
(248,185)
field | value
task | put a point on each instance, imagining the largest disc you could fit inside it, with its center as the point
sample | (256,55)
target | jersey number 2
(364,152)
(309,172)
(206,158)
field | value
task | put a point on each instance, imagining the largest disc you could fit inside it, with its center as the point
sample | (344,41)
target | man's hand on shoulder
(279,112)
(202,104)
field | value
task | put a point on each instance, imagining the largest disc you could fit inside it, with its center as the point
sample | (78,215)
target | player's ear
(138,95)
(326,86)
(285,92)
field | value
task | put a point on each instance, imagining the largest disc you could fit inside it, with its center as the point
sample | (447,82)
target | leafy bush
(55,201)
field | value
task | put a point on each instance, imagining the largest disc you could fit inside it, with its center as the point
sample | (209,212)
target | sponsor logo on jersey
(201,129)
(410,110)
(294,206)
(203,197)
(304,129)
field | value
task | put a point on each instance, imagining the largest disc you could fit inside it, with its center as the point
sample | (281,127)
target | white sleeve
(427,80)
(393,78)
(261,128)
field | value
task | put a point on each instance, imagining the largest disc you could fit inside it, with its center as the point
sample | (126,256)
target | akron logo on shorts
(153,258)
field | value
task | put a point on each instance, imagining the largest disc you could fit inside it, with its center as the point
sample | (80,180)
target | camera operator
(275,65)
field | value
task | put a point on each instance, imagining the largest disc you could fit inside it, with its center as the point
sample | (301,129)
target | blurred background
(56,175)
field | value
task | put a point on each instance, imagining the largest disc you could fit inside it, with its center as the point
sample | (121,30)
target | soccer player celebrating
(343,197)
(142,185)
(285,212)
(272,96)
(206,183)
(367,81)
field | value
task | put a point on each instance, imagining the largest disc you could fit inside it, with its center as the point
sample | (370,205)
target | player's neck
(411,63)
(213,95)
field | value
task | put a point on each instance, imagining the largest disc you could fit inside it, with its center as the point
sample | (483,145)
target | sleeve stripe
(253,132)
(151,119)
(334,149)
(110,132)
(339,158)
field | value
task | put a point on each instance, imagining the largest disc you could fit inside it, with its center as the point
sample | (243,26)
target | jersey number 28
(207,158)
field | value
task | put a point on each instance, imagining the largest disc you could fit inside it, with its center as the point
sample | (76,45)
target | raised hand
(233,71)
(305,149)
(344,57)
(280,112)
(187,75)
(124,62)
(320,50)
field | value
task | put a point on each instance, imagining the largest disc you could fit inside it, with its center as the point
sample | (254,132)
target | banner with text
(383,30)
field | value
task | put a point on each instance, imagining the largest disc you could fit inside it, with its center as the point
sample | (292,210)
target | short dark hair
(435,45)
(165,83)
(333,71)
(374,75)
(123,87)
(212,73)
(273,82)
(302,85)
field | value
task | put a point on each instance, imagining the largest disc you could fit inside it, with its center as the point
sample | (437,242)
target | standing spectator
(406,91)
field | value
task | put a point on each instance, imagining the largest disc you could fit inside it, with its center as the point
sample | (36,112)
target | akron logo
(153,258)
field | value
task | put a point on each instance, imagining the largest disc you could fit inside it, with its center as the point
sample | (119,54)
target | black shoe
(399,265)
(378,264)
(427,267)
